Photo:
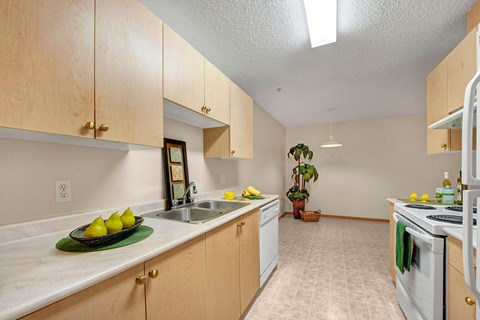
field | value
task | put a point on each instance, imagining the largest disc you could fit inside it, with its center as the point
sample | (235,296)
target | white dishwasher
(268,239)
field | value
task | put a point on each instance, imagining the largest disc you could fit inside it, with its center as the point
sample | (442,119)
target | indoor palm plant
(301,174)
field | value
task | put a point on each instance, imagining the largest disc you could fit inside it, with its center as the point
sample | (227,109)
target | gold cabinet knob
(90,125)
(208,109)
(470,301)
(140,280)
(103,127)
(204,109)
(153,273)
(232,152)
(239,225)
(242,223)
(443,146)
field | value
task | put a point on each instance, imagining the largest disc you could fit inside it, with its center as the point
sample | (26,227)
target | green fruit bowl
(79,235)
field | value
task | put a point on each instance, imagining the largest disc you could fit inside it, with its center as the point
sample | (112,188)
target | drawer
(455,255)
(457,292)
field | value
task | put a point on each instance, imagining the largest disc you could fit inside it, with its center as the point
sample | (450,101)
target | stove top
(448,218)
(432,218)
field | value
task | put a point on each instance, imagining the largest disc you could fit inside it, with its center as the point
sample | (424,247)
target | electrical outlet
(222,179)
(63,190)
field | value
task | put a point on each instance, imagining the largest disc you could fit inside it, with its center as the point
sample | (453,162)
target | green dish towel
(403,252)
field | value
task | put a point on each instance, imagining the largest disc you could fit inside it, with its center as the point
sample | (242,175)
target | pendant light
(330,143)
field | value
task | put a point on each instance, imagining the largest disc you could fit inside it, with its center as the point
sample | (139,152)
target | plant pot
(297,206)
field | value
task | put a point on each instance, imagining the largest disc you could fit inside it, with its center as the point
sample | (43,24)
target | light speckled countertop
(457,233)
(34,274)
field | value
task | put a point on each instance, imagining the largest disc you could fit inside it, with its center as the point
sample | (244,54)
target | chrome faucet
(192,188)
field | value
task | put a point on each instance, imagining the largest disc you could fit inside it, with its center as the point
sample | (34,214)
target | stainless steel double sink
(198,212)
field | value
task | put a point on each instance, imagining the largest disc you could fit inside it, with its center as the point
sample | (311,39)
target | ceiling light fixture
(322,21)
(330,143)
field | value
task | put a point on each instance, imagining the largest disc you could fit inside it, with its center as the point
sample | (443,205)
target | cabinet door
(217,94)
(461,67)
(437,90)
(128,73)
(116,298)
(222,254)
(241,123)
(179,290)
(457,292)
(249,259)
(47,65)
(184,72)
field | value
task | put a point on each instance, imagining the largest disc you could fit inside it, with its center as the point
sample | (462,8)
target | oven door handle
(416,234)
(419,236)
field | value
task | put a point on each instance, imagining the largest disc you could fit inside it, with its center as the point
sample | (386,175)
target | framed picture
(175,170)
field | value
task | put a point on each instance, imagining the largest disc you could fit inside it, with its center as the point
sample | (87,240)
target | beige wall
(103,178)
(380,159)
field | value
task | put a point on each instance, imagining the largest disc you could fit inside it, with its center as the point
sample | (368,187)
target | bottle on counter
(448,195)
(460,188)
(446,182)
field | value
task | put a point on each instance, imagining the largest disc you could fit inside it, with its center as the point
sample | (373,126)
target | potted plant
(301,174)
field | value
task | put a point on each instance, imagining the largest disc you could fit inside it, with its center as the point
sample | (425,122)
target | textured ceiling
(376,69)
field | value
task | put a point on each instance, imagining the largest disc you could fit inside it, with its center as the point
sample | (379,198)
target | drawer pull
(140,280)
(153,273)
(470,301)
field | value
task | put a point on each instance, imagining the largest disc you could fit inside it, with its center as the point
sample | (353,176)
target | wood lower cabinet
(47,65)
(128,73)
(116,298)
(391,268)
(232,267)
(457,290)
(179,290)
(235,141)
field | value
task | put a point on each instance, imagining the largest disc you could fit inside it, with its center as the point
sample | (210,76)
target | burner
(458,209)
(449,219)
(420,206)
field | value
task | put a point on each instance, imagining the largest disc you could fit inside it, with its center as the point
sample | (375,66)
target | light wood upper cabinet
(461,67)
(47,65)
(233,264)
(128,73)
(249,259)
(241,123)
(235,141)
(179,291)
(217,94)
(184,72)
(116,298)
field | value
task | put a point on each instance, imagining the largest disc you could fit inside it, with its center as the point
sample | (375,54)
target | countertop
(34,274)
(457,233)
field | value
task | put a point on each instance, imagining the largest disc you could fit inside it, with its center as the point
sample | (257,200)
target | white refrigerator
(471,177)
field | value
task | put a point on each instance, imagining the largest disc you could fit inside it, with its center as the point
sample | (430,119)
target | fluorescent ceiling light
(322,21)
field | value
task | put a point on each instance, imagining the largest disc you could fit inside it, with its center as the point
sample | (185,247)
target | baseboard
(344,217)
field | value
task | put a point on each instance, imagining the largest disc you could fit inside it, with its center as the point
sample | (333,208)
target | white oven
(420,291)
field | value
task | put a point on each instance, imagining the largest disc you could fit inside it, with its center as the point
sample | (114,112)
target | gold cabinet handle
(470,301)
(208,109)
(242,223)
(232,152)
(103,127)
(153,273)
(443,146)
(90,125)
(204,109)
(140,280)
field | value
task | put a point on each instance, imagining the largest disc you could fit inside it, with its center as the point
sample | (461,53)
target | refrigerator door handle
(467,132)
(467,245)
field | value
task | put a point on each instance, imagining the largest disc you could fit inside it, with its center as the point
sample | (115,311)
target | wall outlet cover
(63,190)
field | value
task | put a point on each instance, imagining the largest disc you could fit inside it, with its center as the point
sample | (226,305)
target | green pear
(128,219)
(114,223)
(96,228)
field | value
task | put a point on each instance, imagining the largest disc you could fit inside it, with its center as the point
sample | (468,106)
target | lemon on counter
(424,197)
(413,196)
